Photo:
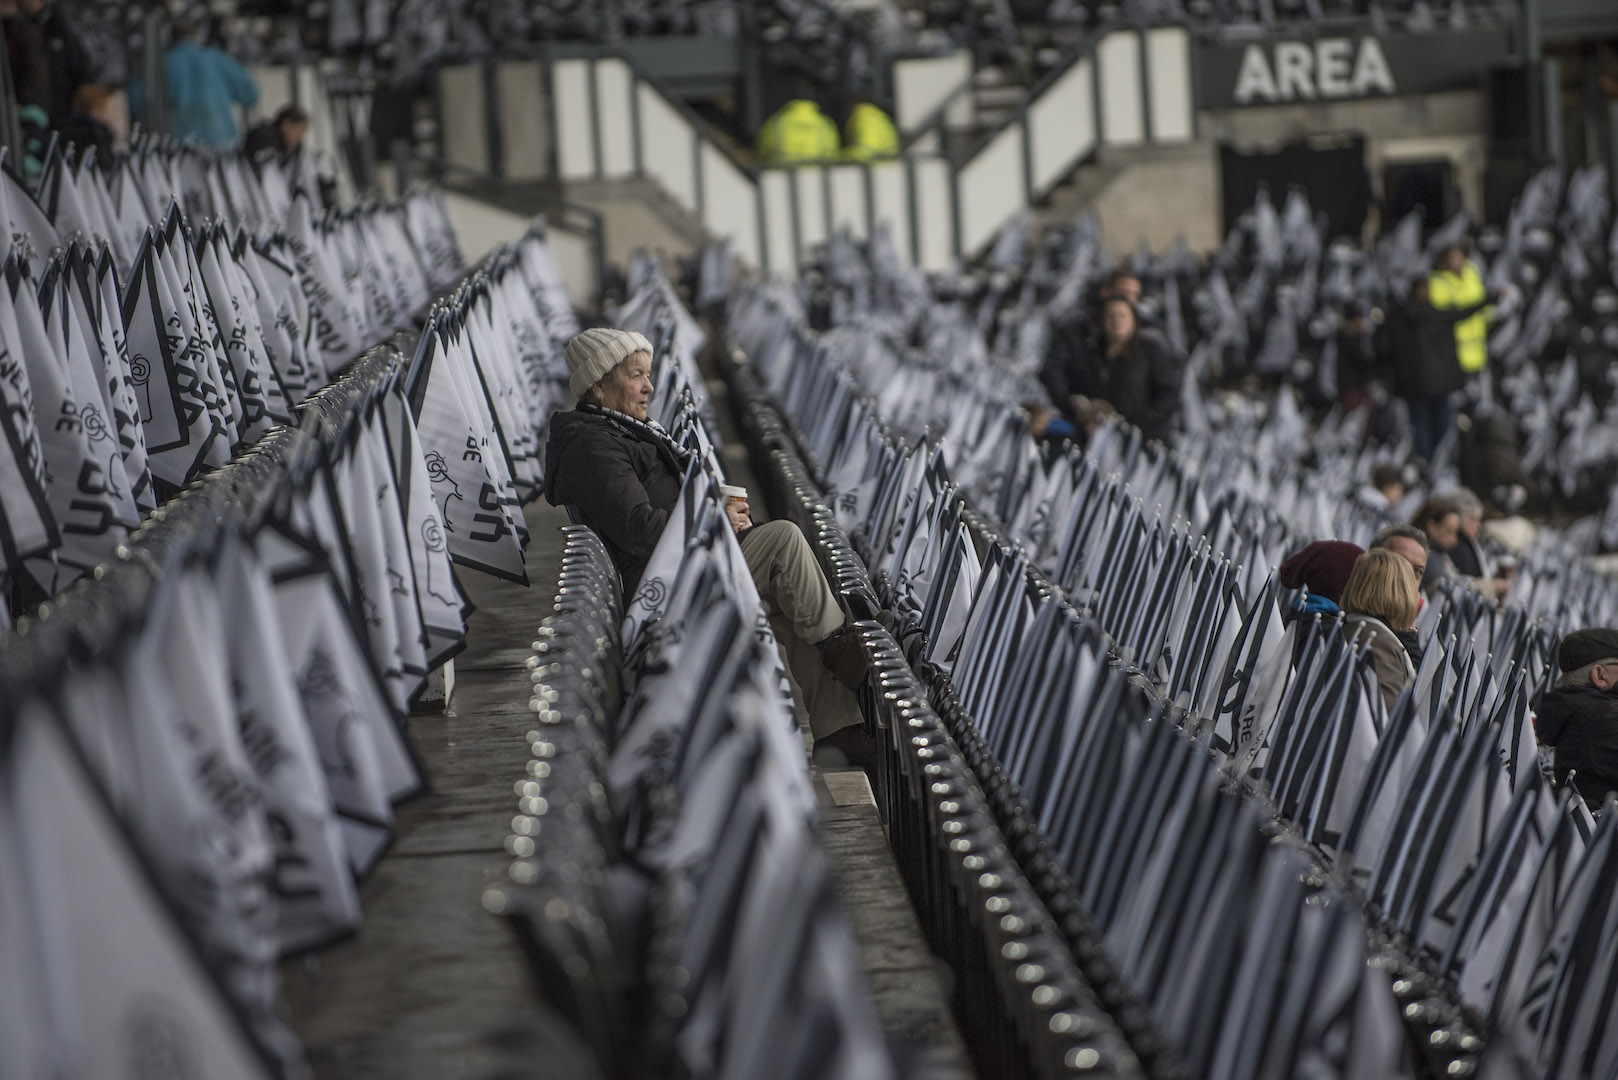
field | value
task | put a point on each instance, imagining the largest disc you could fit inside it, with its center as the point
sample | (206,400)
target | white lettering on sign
(1330,68)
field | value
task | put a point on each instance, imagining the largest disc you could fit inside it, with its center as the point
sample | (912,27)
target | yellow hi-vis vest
(1448,291)
(798,131)
(869,134)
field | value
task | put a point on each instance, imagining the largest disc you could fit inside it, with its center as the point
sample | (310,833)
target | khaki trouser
(802,610)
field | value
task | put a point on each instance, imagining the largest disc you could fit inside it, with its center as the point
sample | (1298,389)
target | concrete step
(1156,193)
(1000,95)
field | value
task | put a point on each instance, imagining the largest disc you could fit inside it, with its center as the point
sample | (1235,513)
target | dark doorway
(1424,186)
(1330,170)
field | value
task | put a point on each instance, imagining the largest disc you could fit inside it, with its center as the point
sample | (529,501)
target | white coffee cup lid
(731,491)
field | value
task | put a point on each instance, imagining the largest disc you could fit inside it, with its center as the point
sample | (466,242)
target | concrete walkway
(434,988)
(431,974)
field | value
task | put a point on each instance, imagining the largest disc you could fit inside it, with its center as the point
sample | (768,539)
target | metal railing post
(157,91)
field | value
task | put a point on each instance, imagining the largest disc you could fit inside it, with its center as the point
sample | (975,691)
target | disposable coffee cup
(731,491)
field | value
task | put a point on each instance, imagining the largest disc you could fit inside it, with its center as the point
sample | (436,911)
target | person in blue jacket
(204,86)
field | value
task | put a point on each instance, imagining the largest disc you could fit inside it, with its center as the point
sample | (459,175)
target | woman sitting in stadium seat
(622,474)
(1381,597)
(1129,369)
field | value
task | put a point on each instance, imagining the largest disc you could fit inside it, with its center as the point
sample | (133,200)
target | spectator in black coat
(1462,554)
(26,56)
(1418,347)
(623,475)
(67,63)
(1356,362)
(1128,370)
(1579,716)
(87,128)
(1468,556)
(1440,519)
(1489,460)
(282,134)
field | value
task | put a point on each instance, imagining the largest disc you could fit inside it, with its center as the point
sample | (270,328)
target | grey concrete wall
(639,214)
(1162,199)
(1161,193)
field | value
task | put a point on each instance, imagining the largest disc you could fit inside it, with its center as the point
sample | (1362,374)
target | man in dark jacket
(1579,716)
(1419,350)
(1411,545)
(282,134)
(623,475)
(67,63)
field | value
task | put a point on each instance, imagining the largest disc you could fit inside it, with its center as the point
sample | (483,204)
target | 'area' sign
(1331,68)
(1340,68)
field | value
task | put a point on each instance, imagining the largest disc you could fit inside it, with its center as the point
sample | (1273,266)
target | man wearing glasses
(1579,716)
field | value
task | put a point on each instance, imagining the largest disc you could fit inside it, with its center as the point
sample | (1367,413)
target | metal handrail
(705,128)
(934,122)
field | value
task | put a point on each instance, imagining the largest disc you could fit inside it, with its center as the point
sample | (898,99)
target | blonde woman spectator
(1379,600)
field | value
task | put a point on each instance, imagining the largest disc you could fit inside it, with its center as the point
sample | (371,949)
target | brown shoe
(844,656)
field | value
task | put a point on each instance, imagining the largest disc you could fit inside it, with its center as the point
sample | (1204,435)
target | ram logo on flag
(443,607)
(180,431)
(461,463)
(84,509)
(99,285)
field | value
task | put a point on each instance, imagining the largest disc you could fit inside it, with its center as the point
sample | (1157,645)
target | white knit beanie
(595,352)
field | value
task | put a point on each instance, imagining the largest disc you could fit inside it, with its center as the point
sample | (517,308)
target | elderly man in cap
(622,474)
(1579,716)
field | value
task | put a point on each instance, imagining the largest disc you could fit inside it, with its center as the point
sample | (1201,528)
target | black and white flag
(383,492)
(281,313)
(364,754)
(181,434)
(99,282)
(28,527)
(29,232)
(466,462)
(116,986)
(86,512)
(132,219)
(355,499)
(313,885)
(60,198)
(438,594)
(260,393)
(435,238)
(202,333)
(97,198)
(334,332)
(73,334)
(200,814)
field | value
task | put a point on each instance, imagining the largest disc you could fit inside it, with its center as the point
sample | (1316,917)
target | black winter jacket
(1143,385)
(623,486)
(1468,559)
(1581,722)
(68,65)
(1418,347)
